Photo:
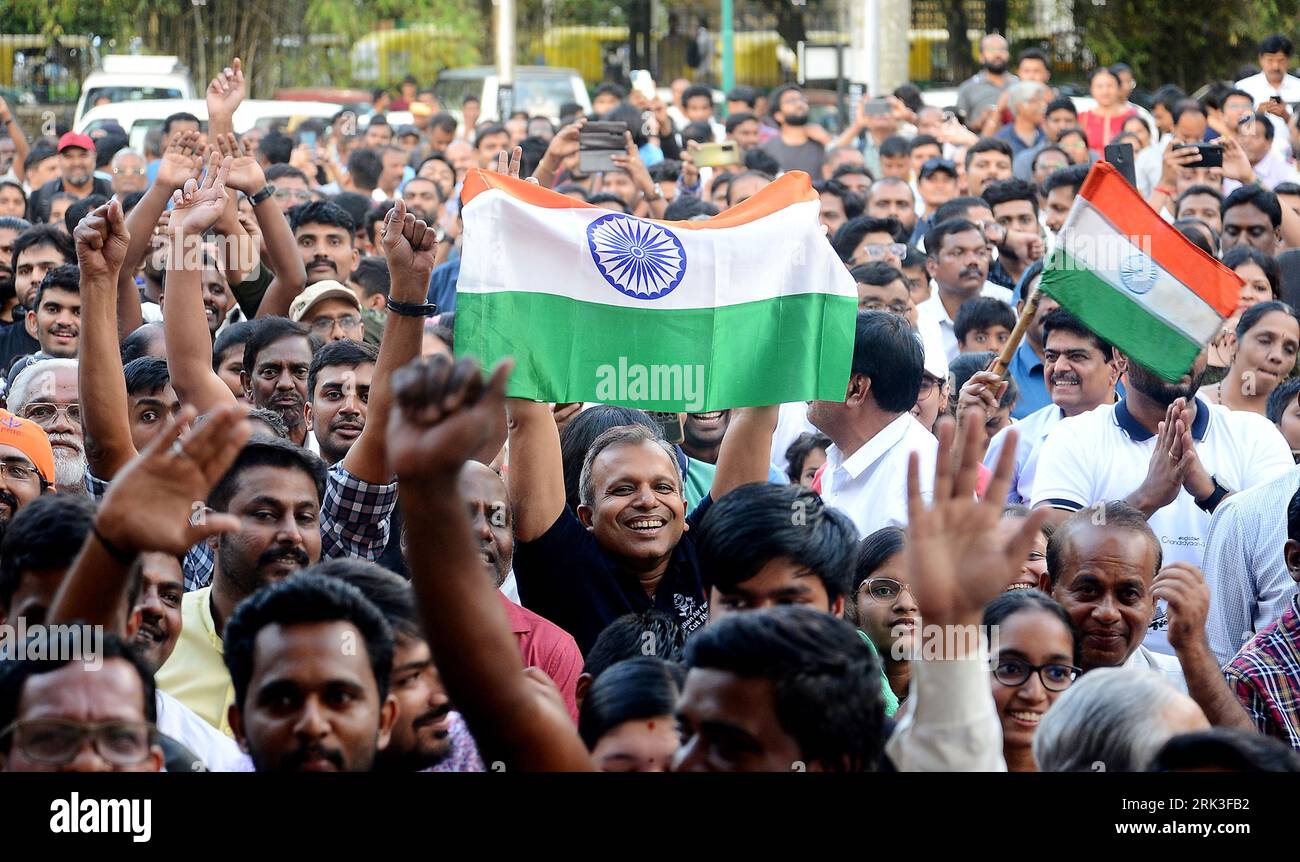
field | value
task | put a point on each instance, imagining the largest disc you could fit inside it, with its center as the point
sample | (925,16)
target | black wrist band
(410,309)
(266,192)
(1210,503)
(126,558)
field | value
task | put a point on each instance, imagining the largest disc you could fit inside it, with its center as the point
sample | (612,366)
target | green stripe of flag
(697,360)
(1117,318)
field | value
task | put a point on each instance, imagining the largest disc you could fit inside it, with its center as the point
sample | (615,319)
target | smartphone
(599,140)
(717,155)
(307,139)
(878,108)
(1121,156)
(1211,155)
(670,425)
(1277,100)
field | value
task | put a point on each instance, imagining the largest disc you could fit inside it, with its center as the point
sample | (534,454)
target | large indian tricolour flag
(748,308)
(1133,279)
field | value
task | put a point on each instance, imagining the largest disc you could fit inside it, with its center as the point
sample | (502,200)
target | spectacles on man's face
(883,591)
(1054,677)
(44,414)
(56,741)
(129,172)
(882,250)
(325,325)
(19,472)
(899,308)
(292,195)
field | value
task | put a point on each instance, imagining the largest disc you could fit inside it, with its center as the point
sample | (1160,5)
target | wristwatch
(1210,503)
(412,309)
(440,236)
(659,195)
(265,193)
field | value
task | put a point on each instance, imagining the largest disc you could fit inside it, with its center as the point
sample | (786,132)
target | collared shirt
(1165,665)
(1265,676)
(463,755)
(354,522)
(1027,370)
(934,310)
(1250,586)
(1030,433)
(1104,454)
(545,645)
(870,485)
(195,673)
(791,421)
(1261,90)
(218,752)
(1008,133)
(1269,172)
(566,576)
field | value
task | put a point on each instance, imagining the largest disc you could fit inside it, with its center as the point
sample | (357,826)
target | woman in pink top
(1107,119)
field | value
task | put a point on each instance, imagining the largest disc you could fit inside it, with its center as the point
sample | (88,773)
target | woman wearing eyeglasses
(1035,663)
(881,605)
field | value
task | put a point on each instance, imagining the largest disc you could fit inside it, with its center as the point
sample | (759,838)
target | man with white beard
(46,392)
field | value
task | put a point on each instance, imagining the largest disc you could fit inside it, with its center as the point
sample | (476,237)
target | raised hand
(410,247)
(246,175)
(197,206)
(958,559)
(443,414)
(227,90)
(156,502)
(181,160)
(1236,164)
(1183,587)
(983,390)
(630,161)
(101,240)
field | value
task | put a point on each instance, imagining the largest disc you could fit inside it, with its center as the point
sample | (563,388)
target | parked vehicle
(539,90)
(127,78)
(137,118)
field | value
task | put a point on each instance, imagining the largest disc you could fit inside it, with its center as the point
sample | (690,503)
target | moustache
(295,759)
(972,272)
(72,440)
(9,500)
(431,717)
(326,261)
(298,555)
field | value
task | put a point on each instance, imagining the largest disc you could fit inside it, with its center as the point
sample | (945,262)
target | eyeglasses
(44,414)
(325,325)
(18,472)
(136,172)
(292,194)
(1055,677)
(883,591)
(993,231)
(927,386)
(879,251)
(899,308)
(56,741)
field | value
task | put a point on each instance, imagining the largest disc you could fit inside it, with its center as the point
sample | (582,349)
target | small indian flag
(1133,279)
(751,307)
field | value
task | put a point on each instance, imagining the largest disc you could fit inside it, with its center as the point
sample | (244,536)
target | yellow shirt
(195,673)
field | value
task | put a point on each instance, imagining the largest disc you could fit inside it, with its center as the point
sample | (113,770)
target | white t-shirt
(218,752)
(932,312)
(870,486)
(1030,432)
(1104,454)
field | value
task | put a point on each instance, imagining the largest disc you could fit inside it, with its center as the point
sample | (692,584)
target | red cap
(72,139)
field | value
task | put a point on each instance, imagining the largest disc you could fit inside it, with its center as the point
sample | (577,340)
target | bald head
(489,505)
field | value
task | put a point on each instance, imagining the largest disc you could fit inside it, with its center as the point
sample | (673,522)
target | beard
(794,119)
(996,68)
(1159,390)
(69,465)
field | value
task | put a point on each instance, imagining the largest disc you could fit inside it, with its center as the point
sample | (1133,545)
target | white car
(539,90)
(127,78)
(137,118)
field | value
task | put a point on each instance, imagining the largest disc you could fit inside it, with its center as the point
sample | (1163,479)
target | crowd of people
(1073,565)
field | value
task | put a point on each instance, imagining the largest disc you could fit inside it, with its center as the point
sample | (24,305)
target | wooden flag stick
(1000,364)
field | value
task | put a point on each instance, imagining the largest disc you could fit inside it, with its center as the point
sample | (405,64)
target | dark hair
(923,141)
(43,235)
(1198,189)
(887,351)
(825,679)
(374,217)
(582,431)
(279,171)
(322,212)
(853,205)
(1241,254)
(40,152)
(1075,132)
(234,335)
(631,635)
(687,207)
(15,674)
(611,89)
(372,274)
(935,236)
(874,551)
(1103,70)
(1071,177)
(390,593)
(1062,103)
(743,93)
(700,132)
(14,184)
(356,205)
(276,147)
(1003,191)
(877,274)
(850,234)
(958,207)
(1280,397)
(987,145)
(696,91)
(1225,749)
(1116,514)
(267,331)
(1276,44)
(305,598)
(608,198)
(442,121)
(66,277)
(488,129)
(1018,601)
(1251,317)
(45,535)
(1184,106)
(1199,234)
(1167,97)
(569,188)
(1033,54)
(136,345)
(798,451)
(858,170)
(1062,320)
(146,375)
(635,689)
(735,121)
(982,312)
(1293,517)
(79,209)
(267,453)
(965,365)
(1286,189)
(758,523)
(894,146)
(179,117)
(346,352)
(365,166)
(1265,127)
(761,162)
(1050,148)
(1257,196)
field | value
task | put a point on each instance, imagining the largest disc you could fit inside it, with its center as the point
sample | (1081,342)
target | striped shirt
(1250,586)
(1265,676)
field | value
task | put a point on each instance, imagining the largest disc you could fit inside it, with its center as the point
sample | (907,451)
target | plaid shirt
(1265,676)
(354,522)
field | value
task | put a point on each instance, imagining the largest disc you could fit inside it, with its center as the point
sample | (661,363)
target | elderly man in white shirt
(872,430)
